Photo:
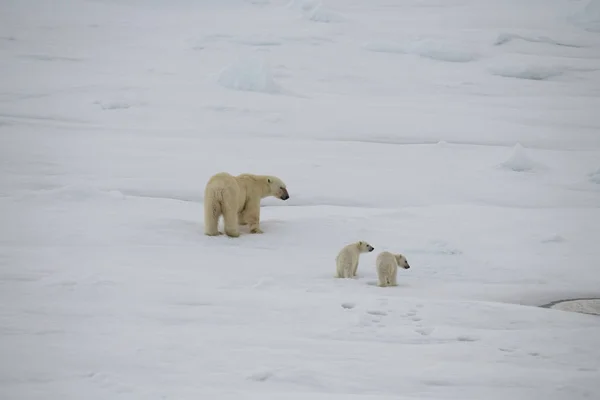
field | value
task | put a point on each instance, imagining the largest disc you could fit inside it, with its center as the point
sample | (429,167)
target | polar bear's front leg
(393,277)
(251,216)
(347,272)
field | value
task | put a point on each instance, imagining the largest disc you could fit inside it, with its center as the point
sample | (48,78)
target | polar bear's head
(401,260)
(277,188)
(364,247)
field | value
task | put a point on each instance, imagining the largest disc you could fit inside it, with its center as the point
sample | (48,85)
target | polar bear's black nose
(284,195)
(371,248)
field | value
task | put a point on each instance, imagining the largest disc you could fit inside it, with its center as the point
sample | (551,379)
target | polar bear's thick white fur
(387,267)
(237,199)
(347,259)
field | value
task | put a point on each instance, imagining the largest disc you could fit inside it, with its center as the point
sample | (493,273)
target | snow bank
(519,160)
(250,73)
(595,176)
(588,17)
(427,48)
(531,72)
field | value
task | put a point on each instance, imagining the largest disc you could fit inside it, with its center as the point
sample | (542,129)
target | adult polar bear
(237,199)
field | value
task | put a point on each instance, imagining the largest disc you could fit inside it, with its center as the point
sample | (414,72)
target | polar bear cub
(347,259)
(387,267)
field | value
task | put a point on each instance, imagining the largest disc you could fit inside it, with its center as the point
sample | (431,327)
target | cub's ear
(360,243)
(268,180)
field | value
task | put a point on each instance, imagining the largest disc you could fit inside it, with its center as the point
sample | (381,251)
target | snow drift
(505,38)
(435,49)
(528,72)
(323,14)
(519,160)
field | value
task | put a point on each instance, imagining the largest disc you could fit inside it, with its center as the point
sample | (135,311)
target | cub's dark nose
(371,248)
(407,266)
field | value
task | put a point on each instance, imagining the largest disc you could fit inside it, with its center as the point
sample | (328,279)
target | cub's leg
(393,277)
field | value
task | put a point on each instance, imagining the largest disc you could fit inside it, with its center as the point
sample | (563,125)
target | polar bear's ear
(268,180)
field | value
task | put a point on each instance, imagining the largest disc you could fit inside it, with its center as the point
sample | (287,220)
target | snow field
(114,115)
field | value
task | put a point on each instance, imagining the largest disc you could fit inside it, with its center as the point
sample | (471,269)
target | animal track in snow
(291,376)
(261,376)
(264,283)
(113,105)
(463,338)
(506,350)
(47,57)
(424,331)
(376,312)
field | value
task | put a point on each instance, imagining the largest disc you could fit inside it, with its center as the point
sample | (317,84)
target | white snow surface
(114,114)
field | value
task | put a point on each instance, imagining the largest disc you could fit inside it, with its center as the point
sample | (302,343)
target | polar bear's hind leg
(383,281)
(212,212)
(230,218)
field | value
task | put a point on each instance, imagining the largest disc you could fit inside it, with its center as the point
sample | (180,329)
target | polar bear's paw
(232,233)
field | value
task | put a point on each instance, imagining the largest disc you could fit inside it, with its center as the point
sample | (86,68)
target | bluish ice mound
(251,74)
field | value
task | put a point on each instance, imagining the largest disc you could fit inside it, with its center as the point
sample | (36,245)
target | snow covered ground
(462,133)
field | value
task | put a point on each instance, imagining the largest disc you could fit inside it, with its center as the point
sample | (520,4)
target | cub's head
(277,188)
(365,247)
(401,260)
